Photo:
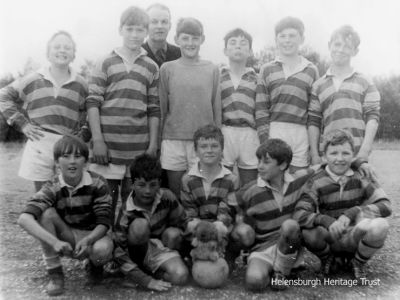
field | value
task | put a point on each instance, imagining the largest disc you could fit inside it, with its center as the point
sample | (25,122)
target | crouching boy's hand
(159,285)
(63,248)
(81,249)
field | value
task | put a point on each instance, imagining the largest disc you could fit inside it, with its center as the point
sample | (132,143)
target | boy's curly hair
(145,166)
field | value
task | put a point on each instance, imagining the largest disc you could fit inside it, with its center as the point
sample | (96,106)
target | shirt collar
(330,74)
(304,63)
(195,171)
(227,69)
(142,52)
(131,206)
(287,179)
(45,72)
(335,177)
(85,180)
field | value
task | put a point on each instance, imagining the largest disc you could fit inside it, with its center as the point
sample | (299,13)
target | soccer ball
(210,274)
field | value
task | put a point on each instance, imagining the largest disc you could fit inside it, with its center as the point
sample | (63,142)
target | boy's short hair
(237,32)
(134,16)
(189,26)
(61,32)
(209,131)
(276,149)
(145,166)
(289,22)
(348,34)
(337,137)
(70,144)
(160,6)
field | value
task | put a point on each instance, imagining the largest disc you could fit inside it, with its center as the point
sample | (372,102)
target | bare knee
(176,272)
(172,238)
(139,232)
(314,239)
(49,215)
(102,251)
(290,228)
(256,280)
(378,230)
(244,235)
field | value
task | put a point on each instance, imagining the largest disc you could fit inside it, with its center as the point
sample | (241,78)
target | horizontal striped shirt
(238,104)
(83,207)
(38,100)
(217,204)
(126,100)
(286,98)
(265,209)
(166,212)
(349,107)
(324,199)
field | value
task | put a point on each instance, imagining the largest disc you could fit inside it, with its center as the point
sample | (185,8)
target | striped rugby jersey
(36,99)
(264,212)
(85,207)
(350,107)
(286,99)
(238,104)
(217,206)
(126,100)
(325,199)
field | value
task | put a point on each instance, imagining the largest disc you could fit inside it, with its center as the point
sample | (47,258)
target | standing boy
(70,216)
(150,225)
(267,206)
(189,97)
(123,105)
(238,94)
(284,91)
(341,212)
(343,98)
(157,47)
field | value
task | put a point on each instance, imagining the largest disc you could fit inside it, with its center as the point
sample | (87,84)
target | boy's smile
(209,151)
(133,36)
(145,191)
(268,168)
(61,50)
(288,42)
(189,44)
(339,158)
(71,166)
(341,51)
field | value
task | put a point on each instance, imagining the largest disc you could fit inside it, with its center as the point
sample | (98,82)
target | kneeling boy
(70,216)
(341,212)
(149,226)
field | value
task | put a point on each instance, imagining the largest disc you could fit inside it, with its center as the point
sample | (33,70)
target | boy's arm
(314,122)
(83,245)
(226,208)
(261,108)
(153,114)
(163,92)
(97,88)
(216,99)
(189,204)
(177,215)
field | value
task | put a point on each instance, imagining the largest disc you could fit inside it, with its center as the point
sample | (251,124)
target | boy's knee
(49,214)
(378,229)
(256,280)
(314,239)
(243,234)
(139,231)
(172,238)
(290,228)
(178,273)
(102,251)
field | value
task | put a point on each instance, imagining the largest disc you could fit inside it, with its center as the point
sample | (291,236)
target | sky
(26,26)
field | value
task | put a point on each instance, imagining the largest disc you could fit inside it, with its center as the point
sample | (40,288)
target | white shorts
(297,137)
(37,162)
(157,254)
(111,171)
(177,155)
(240,146)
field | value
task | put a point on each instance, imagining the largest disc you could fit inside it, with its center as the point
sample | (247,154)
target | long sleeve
(153,100)
(371,103)
(261,109)
(216,99)
(314,109)
(97,85)
(102,203)
(163,92)
(188,201)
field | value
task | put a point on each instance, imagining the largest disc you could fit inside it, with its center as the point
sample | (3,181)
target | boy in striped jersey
(284,92)
(123,105)
(149,227)
(238,94)
(343,98)
(70,216)
(341,212)
(267,206)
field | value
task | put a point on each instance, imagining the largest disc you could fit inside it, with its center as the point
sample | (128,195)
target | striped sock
(365,251)
(284,262)
(52,262)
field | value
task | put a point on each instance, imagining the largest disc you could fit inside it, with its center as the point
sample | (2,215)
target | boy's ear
(283,166)
(355,52)
(176,38)
(203,37)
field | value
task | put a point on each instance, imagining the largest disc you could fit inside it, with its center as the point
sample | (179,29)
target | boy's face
(268,168)
(339,158)
(209,151)
(159,24)
(288,42)
(133,36)
(237,49)
(145,191)
(61,50)
(189,44)
(71,167)
(341,51)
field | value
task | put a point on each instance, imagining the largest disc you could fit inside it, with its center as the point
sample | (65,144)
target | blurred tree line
(388,86)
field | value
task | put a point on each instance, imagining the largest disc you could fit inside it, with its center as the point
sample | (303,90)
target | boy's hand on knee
(336,229)
(159,285)
(81,249)
(63,248)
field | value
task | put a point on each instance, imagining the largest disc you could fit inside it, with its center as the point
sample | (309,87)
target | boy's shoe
(94,273)
(112,268)
(327,264)
(278,281)
(55,286)
(358,269)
